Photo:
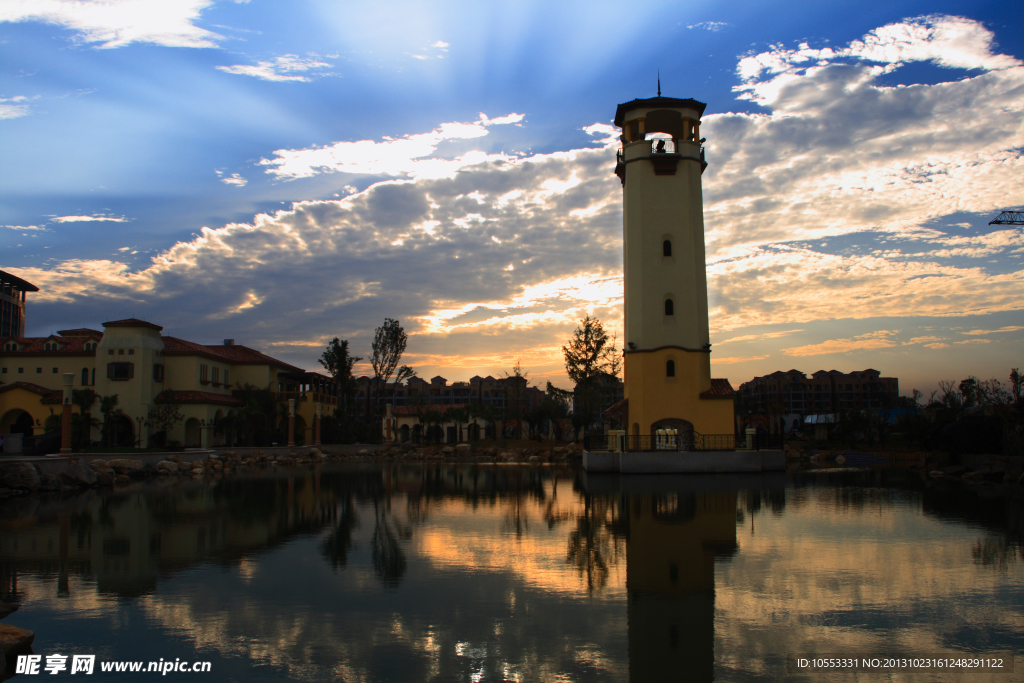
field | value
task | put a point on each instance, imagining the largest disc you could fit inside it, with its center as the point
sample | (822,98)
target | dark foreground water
(510,573)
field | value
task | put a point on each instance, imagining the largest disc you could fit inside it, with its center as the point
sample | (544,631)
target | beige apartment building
(134,360)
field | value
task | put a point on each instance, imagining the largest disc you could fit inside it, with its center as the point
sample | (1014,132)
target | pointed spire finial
(659,82)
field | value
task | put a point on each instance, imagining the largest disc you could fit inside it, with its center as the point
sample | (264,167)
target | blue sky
(282,173)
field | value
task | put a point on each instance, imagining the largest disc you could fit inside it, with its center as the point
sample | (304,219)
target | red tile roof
(132,322)
(172,396)
(236,353)
(80,332)
(48,395)
(35,345)
(720,388)
(617,408)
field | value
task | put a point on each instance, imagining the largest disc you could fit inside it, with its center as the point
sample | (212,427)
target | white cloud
(13,107)
(233,179)
(41,228)
(283,68)
(954,42)
(838,152)
(409,155)
(116,23)
(88,219)
(709,25)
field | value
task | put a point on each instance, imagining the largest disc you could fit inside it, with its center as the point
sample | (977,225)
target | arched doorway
(684,430)
(474,431)
(193,433)
(17,421)
(403,433)
(417,433)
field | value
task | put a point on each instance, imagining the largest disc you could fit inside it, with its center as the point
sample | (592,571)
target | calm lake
(372,572)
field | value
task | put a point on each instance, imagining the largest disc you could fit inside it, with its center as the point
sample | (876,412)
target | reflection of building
(827,391)
(674,539)
(129,540)
(12,304)
(667,363)
(131,359)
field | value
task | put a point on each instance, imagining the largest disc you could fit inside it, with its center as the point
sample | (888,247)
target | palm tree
(85,399)
(108,404)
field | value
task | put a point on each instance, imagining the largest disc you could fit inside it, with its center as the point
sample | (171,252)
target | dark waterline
(494,573)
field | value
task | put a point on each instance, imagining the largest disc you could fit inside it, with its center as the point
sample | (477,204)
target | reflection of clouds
(463,536)
(868,575)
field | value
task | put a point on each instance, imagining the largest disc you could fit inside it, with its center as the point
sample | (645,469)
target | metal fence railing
(685,442)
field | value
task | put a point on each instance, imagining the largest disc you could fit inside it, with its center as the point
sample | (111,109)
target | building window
(158,373)
(39,371)
(120,371)
(21,370)
(204,373)
(10,346)
(666,248)
(216,375)
(85,377)
(670,308)
(670,368)
(110,352)
(4,371)
(226,377)
(131,352)
(120,352)
(55,371)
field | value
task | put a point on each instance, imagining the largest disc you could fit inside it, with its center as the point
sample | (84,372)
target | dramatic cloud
(283,68)
(404,156)
(487,257)
(840,153)
(116,23)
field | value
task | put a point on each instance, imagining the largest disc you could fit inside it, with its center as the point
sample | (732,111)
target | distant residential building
(825,391)
(500,394)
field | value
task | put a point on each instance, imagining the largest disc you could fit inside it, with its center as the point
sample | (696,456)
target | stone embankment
(977,468)
(84,472)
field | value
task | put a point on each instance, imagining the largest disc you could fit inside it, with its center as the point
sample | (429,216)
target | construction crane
(1009,218)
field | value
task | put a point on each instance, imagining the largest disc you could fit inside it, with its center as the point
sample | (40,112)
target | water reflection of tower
(674,539)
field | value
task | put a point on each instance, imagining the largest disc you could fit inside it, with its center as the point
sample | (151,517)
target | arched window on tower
(670,368)
(85,377)
(666,248)
(670,308)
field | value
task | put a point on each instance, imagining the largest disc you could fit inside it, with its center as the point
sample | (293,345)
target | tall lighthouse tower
(668,346)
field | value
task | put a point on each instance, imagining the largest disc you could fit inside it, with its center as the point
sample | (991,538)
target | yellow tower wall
(653,396)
